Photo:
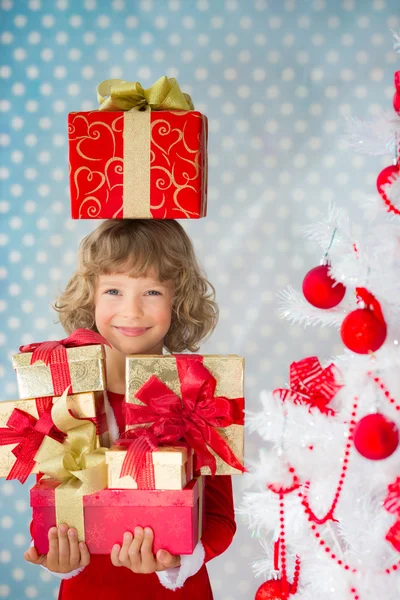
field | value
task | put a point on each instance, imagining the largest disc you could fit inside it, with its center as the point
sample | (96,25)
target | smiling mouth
(132,331)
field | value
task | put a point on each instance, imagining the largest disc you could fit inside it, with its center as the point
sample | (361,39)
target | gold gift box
(86,365)
(228,371)
(173,468)
(88,404)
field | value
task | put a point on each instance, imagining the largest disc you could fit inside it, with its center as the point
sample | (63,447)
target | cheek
(103,312)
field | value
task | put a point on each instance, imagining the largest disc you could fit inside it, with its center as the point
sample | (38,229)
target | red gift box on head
(143,154)
(176,516)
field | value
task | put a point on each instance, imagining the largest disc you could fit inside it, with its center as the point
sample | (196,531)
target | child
(139,285)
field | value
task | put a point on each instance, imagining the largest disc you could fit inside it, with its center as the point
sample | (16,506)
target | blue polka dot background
(276,80)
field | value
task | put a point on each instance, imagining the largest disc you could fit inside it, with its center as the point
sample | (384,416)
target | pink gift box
(176,516)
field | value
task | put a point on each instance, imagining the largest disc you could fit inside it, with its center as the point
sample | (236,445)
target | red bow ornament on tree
(192,418)
(392,505)
(54,355)
(311,384)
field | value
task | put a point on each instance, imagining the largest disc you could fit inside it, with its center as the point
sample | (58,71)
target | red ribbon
(392,505)
(28,432)
(138,462)
(311,384)
(54,355)
(193,418)
(363,295)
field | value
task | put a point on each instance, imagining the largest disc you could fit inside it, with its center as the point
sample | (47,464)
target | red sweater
(100,580)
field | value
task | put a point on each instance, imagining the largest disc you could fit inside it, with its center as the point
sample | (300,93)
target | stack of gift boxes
(184,413)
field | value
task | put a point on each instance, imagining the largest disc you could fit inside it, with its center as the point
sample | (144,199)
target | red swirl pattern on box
(178,164)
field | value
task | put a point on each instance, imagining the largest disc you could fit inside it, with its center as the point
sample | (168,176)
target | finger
(115,555)
(31,554)
(63,545)
(135,560)
(52,556)
(123,554)
(85,555)
(146,552)
(74,553)
(167,560)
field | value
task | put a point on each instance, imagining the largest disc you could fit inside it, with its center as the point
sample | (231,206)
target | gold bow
(164,94)
(76,463)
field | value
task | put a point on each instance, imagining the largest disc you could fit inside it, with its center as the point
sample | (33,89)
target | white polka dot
(131,22)
(17,574)
(302,57)
(74,54)
(5,556)
(31,591)
(4,591)
(7,37)
(231,39)
(244,56)
(273,56)
(217,22)
(75,21)
(20,540)
(260,39)
(21,506)
(272,91)
(361,91)
(303,22)
(14,256)
(103,21)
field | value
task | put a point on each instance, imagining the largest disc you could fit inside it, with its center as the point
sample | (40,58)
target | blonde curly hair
(133,247)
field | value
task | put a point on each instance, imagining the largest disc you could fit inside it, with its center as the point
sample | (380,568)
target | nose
(132,309)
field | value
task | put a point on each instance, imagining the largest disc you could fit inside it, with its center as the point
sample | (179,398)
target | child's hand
(137,555)
(64,555)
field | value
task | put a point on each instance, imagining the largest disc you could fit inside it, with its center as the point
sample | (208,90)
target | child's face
(133,313)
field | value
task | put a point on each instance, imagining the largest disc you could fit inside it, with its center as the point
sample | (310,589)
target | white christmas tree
(324,495)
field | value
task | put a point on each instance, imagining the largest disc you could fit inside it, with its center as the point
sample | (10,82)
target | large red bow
(392,505)
(363,295)
(193,417)
(28,432)
(54,355)
(311,384)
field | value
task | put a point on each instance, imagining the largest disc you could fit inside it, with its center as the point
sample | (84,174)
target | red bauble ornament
(362,331)
(396,102)
(396,98)
(386,176)
(272,590)
(321,290)
(375,437)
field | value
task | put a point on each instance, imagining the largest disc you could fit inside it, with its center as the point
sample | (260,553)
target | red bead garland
(385,390)
(304,500)
(322,543)
(287,589)
(355,593)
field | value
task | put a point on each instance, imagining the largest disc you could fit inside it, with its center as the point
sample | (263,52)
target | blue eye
(112,292)
(154,292)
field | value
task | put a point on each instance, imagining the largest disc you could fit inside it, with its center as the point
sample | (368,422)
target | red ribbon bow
(363,295)
(192,418)
(311,384)
(392,505)
(54,355)
(28,432)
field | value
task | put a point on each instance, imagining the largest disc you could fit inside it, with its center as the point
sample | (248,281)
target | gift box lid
(164,455)
(79,353)
(43,494)
(170,456)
